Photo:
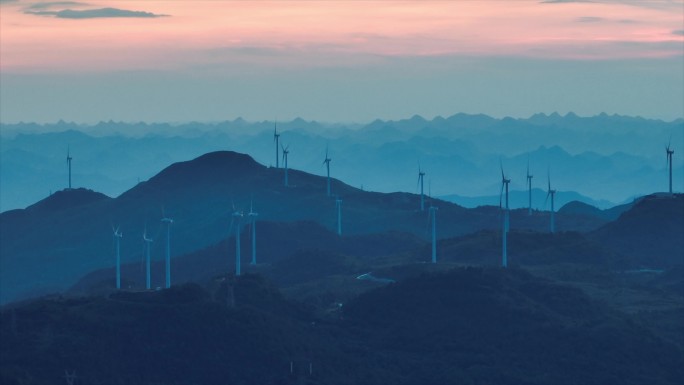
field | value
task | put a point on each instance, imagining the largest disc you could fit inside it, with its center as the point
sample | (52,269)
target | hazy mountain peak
(225,160)
(68,198)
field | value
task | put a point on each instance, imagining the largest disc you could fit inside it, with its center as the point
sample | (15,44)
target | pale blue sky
(344,61)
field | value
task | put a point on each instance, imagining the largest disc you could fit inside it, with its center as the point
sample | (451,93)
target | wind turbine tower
(168,222)
(68,159)
(252,219)
(421,178)
(529,189)
(551,193)
(276,137)
(237,220)
(117,240)
(147,241)
(433,215)
(669,153)
(327,166)
(504,186)
(286,152)
(338,206)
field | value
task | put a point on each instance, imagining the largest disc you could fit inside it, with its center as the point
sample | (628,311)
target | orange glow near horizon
(310,33)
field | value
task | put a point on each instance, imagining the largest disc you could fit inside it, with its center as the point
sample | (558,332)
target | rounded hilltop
(68,198)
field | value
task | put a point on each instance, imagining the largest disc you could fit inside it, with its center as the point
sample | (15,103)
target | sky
(338,61)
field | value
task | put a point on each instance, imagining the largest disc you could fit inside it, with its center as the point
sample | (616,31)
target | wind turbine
(286,151)
(117,239)
(433,216)
(529,188)
(276,137)
(421,178)
(551,193)
(168,222)
(252,219)
(147,259)
(338,207)
(504,185)
(669,153)
(237,217)
(326,162)
(68,159)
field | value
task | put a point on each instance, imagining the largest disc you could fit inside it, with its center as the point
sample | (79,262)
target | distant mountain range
(610,159)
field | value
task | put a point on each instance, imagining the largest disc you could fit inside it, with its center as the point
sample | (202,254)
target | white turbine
(68,159)
(147,242)
(276,137)
(252,220)
(504,186)
(421,178)
(529,189)
(168,222)
(286,152)
(326,162)
(669,153)
(551,193)
(117,239)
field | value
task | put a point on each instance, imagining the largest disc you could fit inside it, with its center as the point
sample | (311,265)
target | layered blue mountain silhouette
(599,300)
(606,160)
(53,243)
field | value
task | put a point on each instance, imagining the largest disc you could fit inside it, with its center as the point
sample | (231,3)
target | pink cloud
(284,33)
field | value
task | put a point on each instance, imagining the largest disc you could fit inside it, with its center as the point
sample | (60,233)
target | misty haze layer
(602,160)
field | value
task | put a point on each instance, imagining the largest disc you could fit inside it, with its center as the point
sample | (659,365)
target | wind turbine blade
(547,198)
(501,195)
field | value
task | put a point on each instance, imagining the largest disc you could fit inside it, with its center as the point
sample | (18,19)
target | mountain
(526,248)
(582,208)
(519,199)
(45,250)
(284,255)
(650,232)
(469,325)
(239,331)
(68,199)
(500,326)
(460,153)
